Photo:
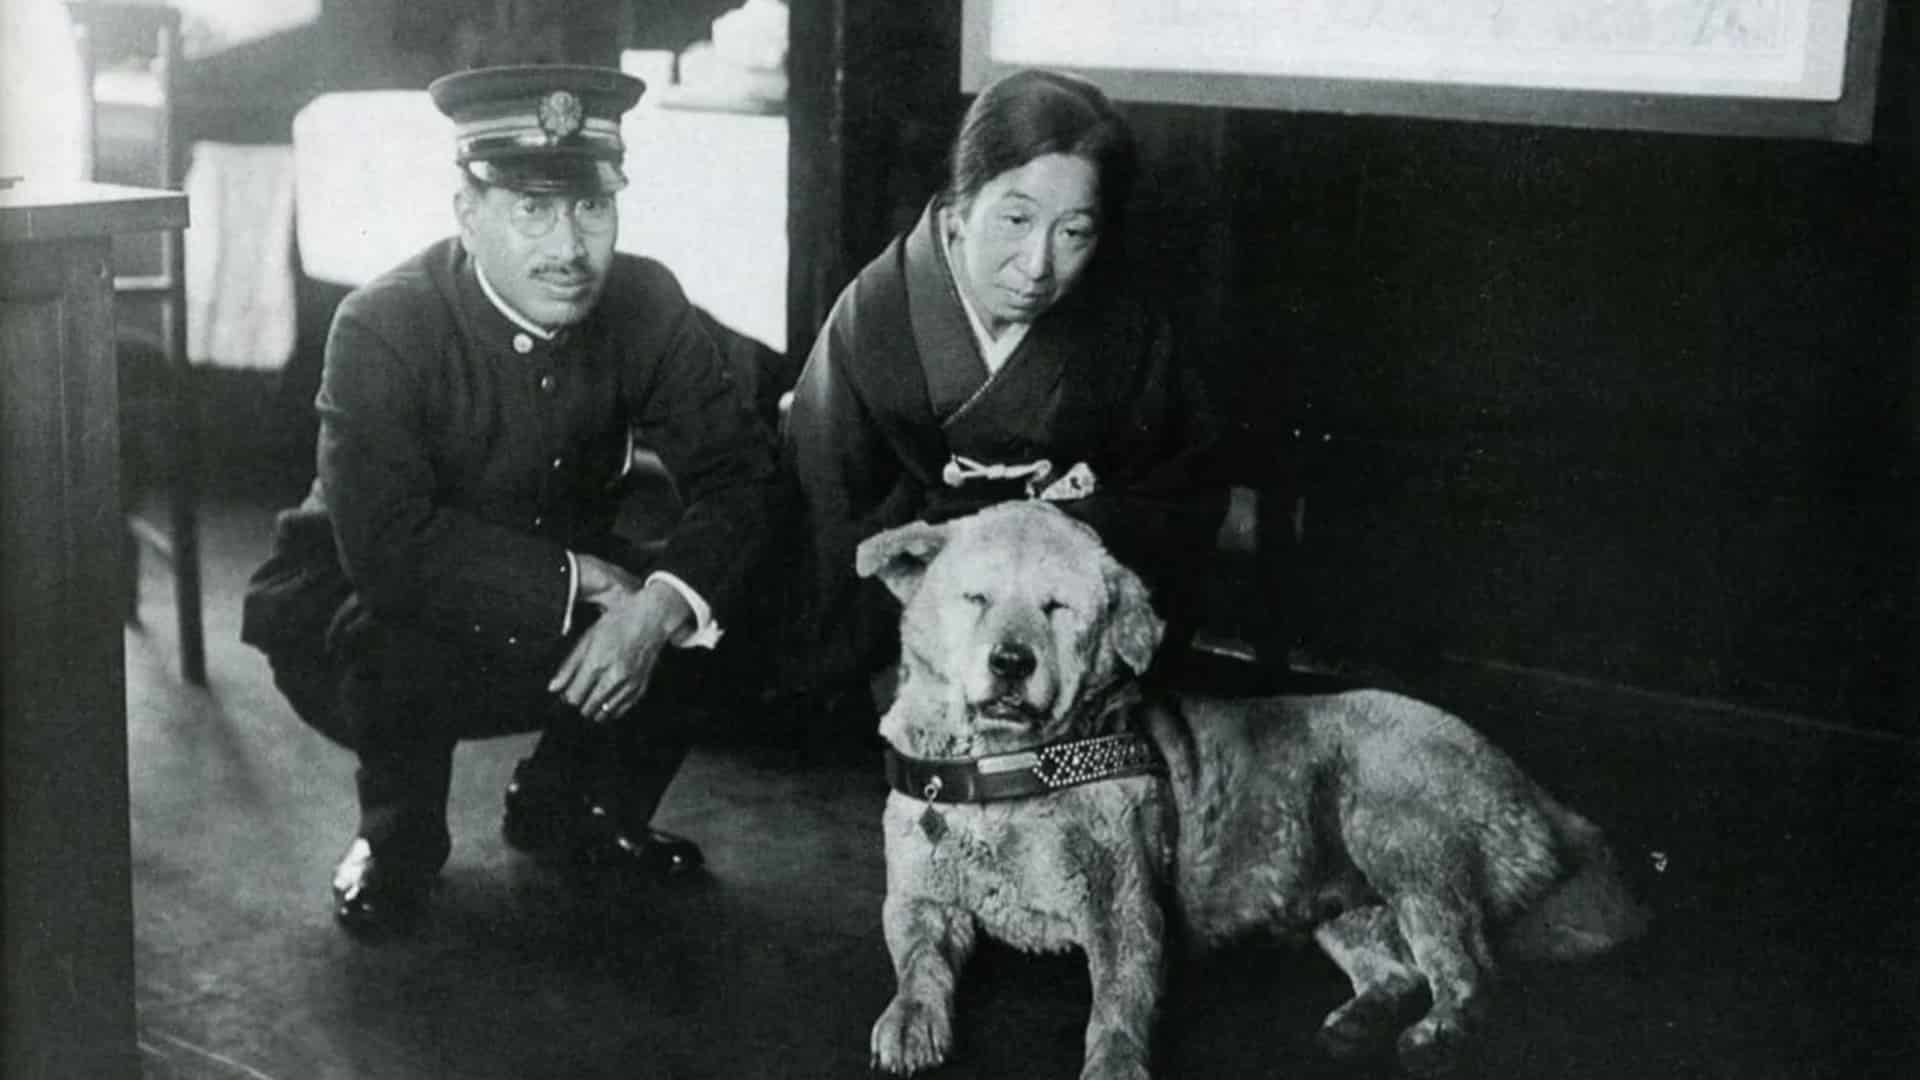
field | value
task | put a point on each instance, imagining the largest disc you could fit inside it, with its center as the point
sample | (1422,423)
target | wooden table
(67,932)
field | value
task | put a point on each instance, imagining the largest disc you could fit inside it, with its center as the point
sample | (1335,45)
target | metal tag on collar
(931,823)
(1006,763)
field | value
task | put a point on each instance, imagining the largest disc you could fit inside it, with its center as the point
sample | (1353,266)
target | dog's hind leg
(1365,942)
(1426,874)
(1443,931)
(929,943)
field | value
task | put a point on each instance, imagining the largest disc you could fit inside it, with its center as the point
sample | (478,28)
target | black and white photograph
(964,539)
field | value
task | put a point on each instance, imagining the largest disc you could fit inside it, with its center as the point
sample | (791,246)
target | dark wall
(1632,407)
(1627,407)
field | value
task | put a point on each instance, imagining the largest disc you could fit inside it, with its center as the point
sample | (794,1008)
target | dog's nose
(1009,660)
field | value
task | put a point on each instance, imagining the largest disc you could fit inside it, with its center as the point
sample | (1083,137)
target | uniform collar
(500,304)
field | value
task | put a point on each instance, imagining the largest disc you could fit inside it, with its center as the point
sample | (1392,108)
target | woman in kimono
(1001,350)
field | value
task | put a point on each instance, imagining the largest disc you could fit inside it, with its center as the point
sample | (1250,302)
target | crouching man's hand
(611,665)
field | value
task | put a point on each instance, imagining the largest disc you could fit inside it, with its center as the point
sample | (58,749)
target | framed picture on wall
(1792,68)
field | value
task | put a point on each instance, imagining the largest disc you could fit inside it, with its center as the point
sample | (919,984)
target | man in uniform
(455,572)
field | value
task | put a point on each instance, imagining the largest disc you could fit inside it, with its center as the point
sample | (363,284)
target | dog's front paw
(910,1036)
(1116,1058)
(1432,1047)
(1115,1069)
(1358,1029)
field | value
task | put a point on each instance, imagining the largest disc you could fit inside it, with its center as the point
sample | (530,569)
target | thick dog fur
(1411,850)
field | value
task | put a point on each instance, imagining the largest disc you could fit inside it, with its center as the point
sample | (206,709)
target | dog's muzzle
(1010,689)
(1011,662)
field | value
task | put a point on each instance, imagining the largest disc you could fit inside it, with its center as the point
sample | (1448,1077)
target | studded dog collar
(1025,773)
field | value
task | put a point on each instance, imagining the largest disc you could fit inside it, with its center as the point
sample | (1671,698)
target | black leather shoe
(650,852)
(543,813)
(375,896)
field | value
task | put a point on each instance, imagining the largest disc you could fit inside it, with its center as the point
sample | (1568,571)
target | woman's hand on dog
(612,664)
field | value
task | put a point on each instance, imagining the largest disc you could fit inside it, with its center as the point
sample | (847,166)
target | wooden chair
(141,108)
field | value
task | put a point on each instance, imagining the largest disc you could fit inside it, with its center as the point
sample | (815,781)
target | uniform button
(547,383)
(512,640)
(522,344)
(539,521)
(557,463)
(476,628)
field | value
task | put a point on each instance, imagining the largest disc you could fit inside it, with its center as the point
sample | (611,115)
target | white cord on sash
(961,470)
(1077,483)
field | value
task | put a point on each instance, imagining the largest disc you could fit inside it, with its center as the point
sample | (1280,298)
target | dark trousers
(402,700)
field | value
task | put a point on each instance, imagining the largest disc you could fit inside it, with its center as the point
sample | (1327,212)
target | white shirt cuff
(573,593)
(705,633)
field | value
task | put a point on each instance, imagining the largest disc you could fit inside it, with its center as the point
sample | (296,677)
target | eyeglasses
(534,216)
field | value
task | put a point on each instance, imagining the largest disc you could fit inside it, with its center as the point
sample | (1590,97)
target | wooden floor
(1779,864)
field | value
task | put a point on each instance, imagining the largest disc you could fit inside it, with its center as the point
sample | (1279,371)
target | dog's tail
(1588,913)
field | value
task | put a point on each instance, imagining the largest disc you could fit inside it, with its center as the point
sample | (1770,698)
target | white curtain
(240,291)
(42,100)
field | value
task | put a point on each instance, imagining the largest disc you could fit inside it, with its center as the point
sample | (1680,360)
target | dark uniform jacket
(461,458)
(896,388)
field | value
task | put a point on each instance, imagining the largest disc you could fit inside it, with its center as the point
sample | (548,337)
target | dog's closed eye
(1052,606)
(978,600)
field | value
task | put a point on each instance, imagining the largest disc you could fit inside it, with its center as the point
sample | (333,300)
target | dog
(1039,795)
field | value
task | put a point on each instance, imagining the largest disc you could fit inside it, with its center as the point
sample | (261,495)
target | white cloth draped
(43,103)
(240,289)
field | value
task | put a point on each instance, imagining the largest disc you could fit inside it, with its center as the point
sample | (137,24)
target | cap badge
(560,115)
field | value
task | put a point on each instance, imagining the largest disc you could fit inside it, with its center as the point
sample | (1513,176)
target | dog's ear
(1133,628)
(899,557)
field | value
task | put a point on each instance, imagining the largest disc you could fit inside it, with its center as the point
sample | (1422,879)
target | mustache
(572,270)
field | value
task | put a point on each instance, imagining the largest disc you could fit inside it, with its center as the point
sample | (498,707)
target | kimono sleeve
(851,483)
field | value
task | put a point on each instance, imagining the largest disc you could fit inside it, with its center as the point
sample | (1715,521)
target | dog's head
(1012,617)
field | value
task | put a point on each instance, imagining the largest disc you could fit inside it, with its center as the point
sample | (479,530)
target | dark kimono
(895,391)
